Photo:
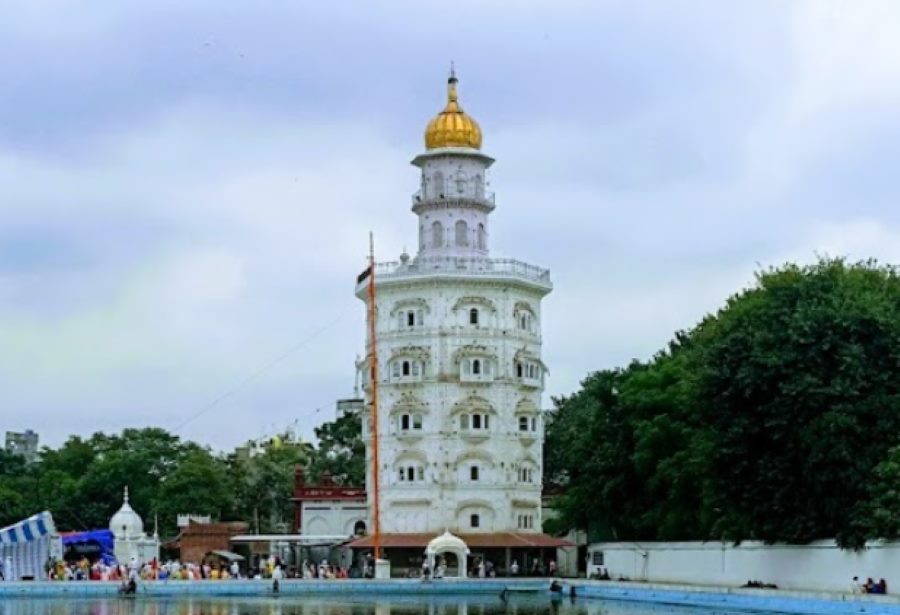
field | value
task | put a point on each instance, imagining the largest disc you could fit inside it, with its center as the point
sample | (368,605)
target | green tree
(800,384)
(770,420)
(263,484)
(199,484)
(341,451)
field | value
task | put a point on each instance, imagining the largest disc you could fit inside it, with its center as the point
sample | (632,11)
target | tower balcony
(460,267)
(422,201)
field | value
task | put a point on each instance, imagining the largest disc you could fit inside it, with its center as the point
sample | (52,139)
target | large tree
(341,451)
(771,420)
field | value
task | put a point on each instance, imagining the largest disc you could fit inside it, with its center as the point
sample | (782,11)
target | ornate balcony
(483,201)
(450,266)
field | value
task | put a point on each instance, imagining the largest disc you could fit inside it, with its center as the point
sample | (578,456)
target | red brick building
(198,539)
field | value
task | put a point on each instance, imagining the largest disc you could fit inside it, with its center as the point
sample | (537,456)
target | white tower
(459,352)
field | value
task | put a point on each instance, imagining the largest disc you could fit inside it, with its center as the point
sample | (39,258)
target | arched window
(476,366)
(473,316)
(473,473)
(359,528)
(406,368)
(518,370)
(523,423)
(404,422)
(460,182)
(410,473)
(438,184)
(476,421)
(437,234)
(474,521)
(462,233)
(479,186)
(482,237)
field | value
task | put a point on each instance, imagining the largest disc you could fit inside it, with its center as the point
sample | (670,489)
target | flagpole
(373,375)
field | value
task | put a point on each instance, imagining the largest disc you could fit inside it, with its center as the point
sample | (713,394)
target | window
(518,370)
(410,319)
(523,423)
(439,184)
(482,237)
(462,233)
(437,234)
(411,474)
(476,367)
(406,368)
(597,558)
(473,316)
(473,473)
(525,475)
(479,186)
(525,322)
(460,182)
(474,521)
(476,421)
(404,422)
(417,421)
(534,423)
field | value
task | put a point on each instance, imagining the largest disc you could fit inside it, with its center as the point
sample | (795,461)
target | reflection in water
(316,605)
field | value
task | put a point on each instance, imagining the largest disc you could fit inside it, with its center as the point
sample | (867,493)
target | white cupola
(126,524)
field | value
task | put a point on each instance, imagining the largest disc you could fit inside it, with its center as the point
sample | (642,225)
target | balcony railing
(451,265)
(485,198)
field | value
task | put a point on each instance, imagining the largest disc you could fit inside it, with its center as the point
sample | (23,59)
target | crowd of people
(174,570)
(869,587)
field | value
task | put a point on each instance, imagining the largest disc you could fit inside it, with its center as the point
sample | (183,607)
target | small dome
(452,127)
(447,542)
(126,523)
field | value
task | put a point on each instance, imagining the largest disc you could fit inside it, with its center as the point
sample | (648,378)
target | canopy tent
(93,544)
(231,556)
(26,546)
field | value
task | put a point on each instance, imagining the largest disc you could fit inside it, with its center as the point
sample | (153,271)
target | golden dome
(452,127)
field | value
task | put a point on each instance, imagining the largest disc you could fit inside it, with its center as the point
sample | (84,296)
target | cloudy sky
(186,189)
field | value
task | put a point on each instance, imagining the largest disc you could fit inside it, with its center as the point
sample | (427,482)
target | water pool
(348,605)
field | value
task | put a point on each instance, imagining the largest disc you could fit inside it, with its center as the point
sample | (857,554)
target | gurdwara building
(460,375)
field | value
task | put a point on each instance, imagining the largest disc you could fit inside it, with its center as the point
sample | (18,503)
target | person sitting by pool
(879,588)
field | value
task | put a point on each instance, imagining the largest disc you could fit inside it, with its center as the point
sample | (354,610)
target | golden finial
(452,96)
(452,127)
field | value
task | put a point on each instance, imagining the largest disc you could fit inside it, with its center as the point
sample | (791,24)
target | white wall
(820,565)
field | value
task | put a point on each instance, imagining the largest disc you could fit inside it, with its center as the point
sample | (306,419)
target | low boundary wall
(767,600)
(818,566)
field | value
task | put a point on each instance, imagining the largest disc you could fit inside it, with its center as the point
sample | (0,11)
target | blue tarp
(93,543)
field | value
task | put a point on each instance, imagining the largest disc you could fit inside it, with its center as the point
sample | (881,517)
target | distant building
(185,520)
(198,540)
(24,444)
(350,407)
